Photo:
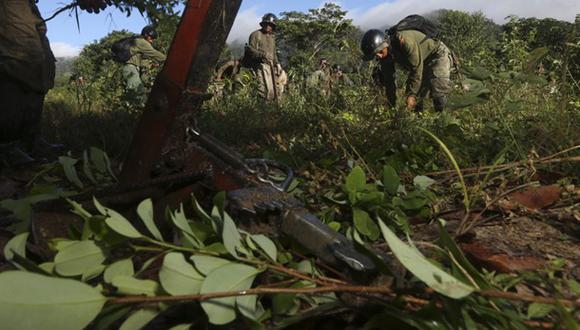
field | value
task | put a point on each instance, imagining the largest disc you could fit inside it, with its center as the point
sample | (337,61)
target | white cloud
(246,22)
(62,49)
(388,13)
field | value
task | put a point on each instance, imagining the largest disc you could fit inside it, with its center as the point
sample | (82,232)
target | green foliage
(32,301)
(473,37)
(322,32)
(178,277)
(423,269)
(359,161)
(229,277)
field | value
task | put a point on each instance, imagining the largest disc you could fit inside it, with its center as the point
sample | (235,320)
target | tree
(321,32)
(472,37)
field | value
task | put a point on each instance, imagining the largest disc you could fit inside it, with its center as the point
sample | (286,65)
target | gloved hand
(93,6)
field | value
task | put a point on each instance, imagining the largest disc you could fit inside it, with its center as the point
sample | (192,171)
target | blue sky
(67,40)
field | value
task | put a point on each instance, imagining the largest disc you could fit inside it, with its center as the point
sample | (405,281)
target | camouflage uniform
(26,70)
(428,62)
(321,80)
(262,51)
(142,56)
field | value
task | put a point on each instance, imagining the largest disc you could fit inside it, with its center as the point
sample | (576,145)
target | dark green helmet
(373,41)
(269,18)
(149,31)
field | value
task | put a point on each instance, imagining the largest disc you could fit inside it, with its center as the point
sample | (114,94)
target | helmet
(337,68)
(373,41)
(149,31)
(269,18)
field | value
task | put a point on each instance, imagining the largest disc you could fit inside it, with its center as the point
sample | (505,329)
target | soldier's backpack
(121,49)
(415,22)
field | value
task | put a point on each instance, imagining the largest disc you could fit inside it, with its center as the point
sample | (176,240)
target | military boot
(439,103)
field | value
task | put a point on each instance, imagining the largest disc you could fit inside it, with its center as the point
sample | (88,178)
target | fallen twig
(342,288)
(499,168)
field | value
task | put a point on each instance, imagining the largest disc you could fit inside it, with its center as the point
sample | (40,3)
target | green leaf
(230,277)
(120,225)
(16,244)
(207,264)
(87,168)
(230,236)
(537,310)
(180,221)
(108,316)
(446,242)
(139,319)
(184,326)
(266,245)
(178,277)
(215,248)
(391,180)
(364,224)
(122,267)
(79,210)
(145,211)
(68,165)
(219,201)
(424,270)
(101,161)
(574,286)
(215,222)
(247,305)
(133,286)
(423,182)
(91,273)
(48,267)
(285,304)
(470,98)
(355,181)
(32,301)
(411,203)
(77,258)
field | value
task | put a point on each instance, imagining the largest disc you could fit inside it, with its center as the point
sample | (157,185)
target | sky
(67,40)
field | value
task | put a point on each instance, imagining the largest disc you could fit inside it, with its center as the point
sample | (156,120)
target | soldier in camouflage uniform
(27,72)
(428,61)
(143,56)
(260,55)
(321,78)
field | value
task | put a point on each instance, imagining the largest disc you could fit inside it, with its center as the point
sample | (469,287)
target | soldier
(321,78)
(260,54)
(142,56)
(428,61)
(27,72)
(339,78)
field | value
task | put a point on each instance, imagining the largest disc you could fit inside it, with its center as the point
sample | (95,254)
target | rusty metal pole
(181,85)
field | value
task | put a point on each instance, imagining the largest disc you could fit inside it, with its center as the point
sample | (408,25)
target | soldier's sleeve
(412,52)
(254,48)
(148,51)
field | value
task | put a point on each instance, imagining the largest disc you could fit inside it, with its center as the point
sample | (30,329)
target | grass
(353,124)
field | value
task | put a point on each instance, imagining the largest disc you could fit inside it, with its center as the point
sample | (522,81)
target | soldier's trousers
(20,112)
(436,78)
(133,83)
(265,84)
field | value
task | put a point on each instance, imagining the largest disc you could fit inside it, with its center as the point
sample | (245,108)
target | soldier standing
(428,61)
(260,53)
(27,70)
(321,78)
(143,56)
